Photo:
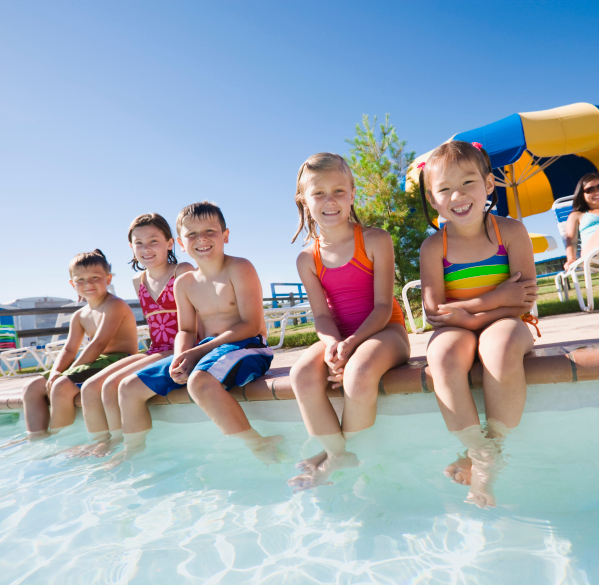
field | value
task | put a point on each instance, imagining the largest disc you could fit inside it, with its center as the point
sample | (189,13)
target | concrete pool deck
(567,352)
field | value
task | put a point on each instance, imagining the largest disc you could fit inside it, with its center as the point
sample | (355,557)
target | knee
(126,390)
(360,380)
(110,392)
(306,379)
(447,357)
(91,391)
(35,390)
(200,383)
(62,388)
(504,358)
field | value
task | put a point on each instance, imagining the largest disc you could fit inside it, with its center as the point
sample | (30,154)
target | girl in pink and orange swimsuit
(349,275)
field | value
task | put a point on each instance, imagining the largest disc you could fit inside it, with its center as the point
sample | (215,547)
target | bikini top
(587,227)
(469,280)
(349,289)
(161,315)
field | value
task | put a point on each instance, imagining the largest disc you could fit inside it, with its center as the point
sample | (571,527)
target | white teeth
(330,212)
(462,209)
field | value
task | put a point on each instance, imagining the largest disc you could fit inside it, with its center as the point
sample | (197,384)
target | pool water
(194,507)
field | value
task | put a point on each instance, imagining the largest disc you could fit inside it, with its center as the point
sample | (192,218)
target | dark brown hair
(322,162)
(456,152)
(579,203)
(87,259)
(201,210)
(157,221)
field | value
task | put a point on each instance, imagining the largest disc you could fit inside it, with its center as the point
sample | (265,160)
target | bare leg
(35,404)
(133,402)
(450,355)
(62,403)
(384,350)
(137,421)
(210,395)
(110,388)
(502,347)
(378,354)
(309,383)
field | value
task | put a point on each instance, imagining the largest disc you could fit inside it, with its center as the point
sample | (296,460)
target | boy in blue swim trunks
(222,298)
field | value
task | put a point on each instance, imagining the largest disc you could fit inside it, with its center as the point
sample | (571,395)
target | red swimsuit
(161,315)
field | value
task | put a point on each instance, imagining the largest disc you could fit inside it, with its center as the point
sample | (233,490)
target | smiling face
(203,239)
(90,282)
(459,192)
(150,246)
(591,193)
(329,197)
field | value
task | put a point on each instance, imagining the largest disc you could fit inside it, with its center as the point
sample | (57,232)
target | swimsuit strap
(174,273)
(496,229)
(497,233)
(359,247)
(317,260)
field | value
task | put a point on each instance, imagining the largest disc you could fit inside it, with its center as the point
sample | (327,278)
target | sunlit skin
(592,200)
(100,399)
(222,298)
(358,361)
(488,325)
(108,322)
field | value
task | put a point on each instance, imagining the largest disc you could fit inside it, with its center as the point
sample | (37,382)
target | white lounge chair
(282,315)
(586,265)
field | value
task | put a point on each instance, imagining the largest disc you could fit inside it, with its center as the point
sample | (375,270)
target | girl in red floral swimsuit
(152,243)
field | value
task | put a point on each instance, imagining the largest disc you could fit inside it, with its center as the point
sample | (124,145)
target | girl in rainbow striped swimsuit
(348,273)
(478,280)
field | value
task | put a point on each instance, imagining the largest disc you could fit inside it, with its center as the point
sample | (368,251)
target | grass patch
(295,339)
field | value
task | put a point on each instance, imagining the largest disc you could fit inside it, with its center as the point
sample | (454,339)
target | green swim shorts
(80,374)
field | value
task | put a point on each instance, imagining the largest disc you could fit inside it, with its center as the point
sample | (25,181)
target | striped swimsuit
(469,280)
(473,279)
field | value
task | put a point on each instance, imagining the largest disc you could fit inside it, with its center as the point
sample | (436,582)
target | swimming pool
(195,508)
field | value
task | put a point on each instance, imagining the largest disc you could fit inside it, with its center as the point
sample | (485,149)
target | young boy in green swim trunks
(110,325)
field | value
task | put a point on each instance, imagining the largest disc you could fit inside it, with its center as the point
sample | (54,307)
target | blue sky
(116,108)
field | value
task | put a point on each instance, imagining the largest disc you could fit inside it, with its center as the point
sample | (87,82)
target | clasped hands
(182,365)
(514,292)
(336,356)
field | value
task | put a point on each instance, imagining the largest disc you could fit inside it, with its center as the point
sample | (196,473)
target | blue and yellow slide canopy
(537,157)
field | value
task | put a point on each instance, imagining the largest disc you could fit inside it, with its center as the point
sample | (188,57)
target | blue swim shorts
(232,364)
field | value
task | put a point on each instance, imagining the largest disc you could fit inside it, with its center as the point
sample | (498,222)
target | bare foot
(266,449)
(486,463)
(311,463)
(323,471)
(124,455)
(104,448)
(460,471)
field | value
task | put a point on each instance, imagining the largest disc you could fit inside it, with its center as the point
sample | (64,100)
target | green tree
(379,164)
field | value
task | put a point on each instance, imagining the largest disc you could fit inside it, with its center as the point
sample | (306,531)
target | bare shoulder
(511,229)
(116,304)
(183,267)
(433,245)
(305,259)
(137,279)
(374,234)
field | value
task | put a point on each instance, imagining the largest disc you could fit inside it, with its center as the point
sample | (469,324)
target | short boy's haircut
(87,259)
(201,210)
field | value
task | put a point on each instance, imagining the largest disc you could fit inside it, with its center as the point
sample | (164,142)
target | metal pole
(514,186)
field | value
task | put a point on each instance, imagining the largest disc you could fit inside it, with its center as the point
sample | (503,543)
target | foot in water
(311,463)
(486,463)
(320,475)
(460,471)
(266,449)
(124,455)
